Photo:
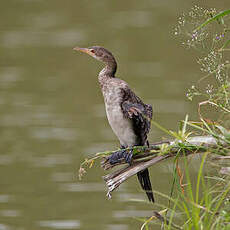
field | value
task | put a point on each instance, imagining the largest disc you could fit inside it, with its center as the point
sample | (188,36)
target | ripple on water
(117,227)
(10,213)
(124,19)
(6,160)
(9,76)
(82,187)
(55,133)
(59,224)
(147,69)
(126,197)
(51,160)
(170,106)
(4,198)
(131,213)
(4,227)
(99,147)
(44,20)
(13,39)
(62,177)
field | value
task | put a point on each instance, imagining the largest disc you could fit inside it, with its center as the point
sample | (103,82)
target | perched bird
(128,116)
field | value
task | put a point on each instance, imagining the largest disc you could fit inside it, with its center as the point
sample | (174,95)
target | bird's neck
(107,72)
(110,68)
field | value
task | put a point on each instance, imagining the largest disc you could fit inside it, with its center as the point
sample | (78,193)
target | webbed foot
(128,157)
(117,157)
(121,154)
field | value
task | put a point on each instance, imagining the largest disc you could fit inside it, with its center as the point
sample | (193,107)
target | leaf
(225,132)
(215,18)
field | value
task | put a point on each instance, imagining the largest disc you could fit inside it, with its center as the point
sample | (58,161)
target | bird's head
(98,53)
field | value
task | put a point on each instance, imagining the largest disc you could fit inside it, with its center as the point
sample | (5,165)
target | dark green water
(51,109)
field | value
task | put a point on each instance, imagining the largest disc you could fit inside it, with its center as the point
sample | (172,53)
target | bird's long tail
(144,179)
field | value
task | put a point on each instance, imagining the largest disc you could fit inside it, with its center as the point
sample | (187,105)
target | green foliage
(200,204)
(208,32)
(205,203)
(217,17)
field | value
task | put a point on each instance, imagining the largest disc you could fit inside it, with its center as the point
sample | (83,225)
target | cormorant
(128,116)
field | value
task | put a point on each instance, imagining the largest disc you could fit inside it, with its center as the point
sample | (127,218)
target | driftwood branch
(155,153)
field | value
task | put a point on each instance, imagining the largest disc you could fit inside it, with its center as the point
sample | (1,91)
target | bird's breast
(120,125)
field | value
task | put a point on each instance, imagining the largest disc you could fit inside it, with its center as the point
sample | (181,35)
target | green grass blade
(185,125)
(199,176)
(218,205)
(225,45)
(161,128)
(216,17)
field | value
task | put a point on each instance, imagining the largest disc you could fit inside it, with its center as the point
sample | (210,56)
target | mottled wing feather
(139,113)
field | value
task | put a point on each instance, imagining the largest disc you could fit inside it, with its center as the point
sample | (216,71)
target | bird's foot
(117,157)
(121,154)
(129,157)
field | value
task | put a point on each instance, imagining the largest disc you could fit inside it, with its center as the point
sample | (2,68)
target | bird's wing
(139,113)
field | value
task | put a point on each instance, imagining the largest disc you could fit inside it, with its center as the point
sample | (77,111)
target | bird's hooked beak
(84,50)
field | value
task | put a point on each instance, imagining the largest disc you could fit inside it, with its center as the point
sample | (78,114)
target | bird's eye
(92,51)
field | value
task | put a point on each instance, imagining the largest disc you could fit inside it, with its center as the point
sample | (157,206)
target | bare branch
(154,154)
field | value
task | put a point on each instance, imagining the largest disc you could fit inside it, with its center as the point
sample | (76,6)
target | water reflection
(123,19)
(4,227)
(62,177)
(126,197)
(10,76)
(155,69)
(170,106)
(98,147)
(54,133)
(82,187)
(117,227)
(10,213)
(60,224)
(50,160)
(131,213)
(14,39)
(5,160)
(52,116)
(5,198)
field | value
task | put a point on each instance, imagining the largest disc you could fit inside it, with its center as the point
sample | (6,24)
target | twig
(194,144)
(116,178)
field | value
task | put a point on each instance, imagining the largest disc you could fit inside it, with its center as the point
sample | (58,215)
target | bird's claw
(128,157)
(118,156)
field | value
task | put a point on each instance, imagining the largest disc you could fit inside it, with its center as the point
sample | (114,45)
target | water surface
(51,108)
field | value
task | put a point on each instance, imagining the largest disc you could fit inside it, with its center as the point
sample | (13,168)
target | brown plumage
(140,114)
(128,116)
